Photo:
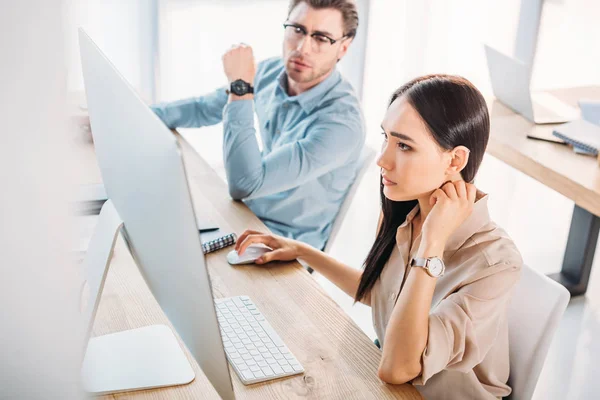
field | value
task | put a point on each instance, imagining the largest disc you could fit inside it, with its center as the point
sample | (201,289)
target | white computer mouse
(250,255)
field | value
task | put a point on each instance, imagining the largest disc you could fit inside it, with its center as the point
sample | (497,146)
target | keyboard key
(262,364)
(239,345)
(277,369)
(278,356)
(263,349)
(282,362)
(272,334)
(254,368)
(242,367)
(259,374)
(247,357)
(243,351)
(250,362)
(274,351)
(248,375)
(287,368)
(289,357)
(272,361)
(254,352)
(297,368)
(267,371)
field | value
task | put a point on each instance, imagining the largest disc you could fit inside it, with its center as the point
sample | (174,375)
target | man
(309,120)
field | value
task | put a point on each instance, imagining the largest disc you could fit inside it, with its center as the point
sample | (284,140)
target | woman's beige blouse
(466,356)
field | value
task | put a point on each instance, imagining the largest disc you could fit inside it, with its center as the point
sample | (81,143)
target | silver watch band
(420,262)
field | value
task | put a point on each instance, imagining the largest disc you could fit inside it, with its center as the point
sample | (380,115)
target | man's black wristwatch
(241,87)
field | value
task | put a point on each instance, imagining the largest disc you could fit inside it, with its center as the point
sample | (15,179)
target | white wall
(124,29)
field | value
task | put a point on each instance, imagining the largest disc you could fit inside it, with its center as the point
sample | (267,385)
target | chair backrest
(535,311)
(367,155)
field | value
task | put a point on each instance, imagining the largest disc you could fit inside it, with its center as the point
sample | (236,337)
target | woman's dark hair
(455,114)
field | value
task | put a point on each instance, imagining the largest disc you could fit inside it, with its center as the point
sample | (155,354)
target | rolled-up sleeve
(464,326)
(194,112)
(328,144)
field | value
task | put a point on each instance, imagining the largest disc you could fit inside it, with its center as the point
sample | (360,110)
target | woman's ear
(459,159)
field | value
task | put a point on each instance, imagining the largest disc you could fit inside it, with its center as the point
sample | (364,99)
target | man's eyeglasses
(319,41)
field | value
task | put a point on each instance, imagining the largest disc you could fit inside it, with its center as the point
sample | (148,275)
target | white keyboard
(253,348)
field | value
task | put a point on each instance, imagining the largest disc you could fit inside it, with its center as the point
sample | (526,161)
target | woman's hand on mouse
(452,205)
(283,249)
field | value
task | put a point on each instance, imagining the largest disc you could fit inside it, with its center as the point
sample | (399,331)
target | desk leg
(579,254)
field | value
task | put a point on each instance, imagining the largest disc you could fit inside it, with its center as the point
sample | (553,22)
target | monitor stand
(144,358)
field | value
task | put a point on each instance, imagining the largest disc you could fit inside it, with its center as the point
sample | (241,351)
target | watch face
(239,87)
(436,267)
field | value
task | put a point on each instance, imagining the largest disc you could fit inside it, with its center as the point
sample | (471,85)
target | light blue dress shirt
(311,146)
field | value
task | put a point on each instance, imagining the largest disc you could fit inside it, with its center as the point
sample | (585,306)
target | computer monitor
(145,180)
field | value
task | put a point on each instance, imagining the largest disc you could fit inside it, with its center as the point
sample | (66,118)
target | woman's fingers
(243,236)
(450,190)
(461,189)
(437,195)
(471,192)
(252,239)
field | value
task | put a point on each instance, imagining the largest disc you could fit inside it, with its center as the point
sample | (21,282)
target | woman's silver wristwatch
(433,265)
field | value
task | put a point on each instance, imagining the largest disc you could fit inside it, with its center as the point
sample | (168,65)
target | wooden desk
(558,167)
(340,360)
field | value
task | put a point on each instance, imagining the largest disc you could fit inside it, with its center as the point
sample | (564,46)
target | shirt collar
(473,224)
(312,97)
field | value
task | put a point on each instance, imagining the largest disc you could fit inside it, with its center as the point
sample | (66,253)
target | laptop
(511,80)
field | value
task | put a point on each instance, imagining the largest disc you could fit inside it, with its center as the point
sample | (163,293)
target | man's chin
(298,76)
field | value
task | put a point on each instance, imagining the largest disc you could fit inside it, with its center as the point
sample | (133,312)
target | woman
(440,273)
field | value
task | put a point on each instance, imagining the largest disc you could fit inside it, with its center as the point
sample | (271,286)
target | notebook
(581,134)
(216,240)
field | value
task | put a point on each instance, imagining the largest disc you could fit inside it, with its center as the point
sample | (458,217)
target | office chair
(535,311)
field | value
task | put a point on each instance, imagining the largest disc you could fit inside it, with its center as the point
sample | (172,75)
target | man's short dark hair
(346,7)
